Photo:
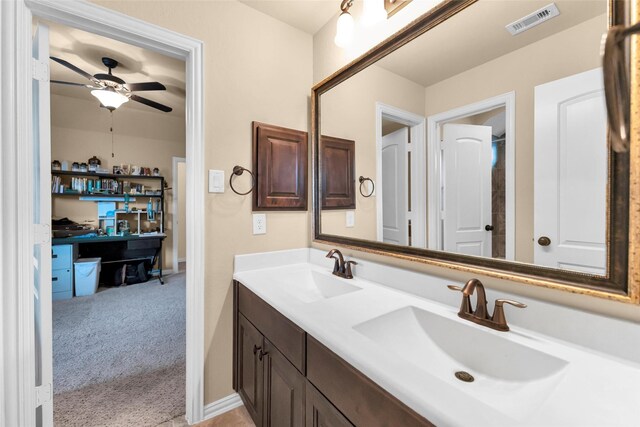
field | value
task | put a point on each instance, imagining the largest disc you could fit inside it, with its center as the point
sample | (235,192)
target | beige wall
(328,58)
(256,68)
(572,51)
(349,111)
(80,130)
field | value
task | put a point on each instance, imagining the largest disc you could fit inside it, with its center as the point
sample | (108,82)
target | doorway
(482,137)
(28,401)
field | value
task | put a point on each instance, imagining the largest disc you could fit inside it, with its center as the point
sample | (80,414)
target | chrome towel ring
(237,171)
(362,180)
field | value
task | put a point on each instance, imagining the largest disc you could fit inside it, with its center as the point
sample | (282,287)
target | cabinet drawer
(361,400)
(62,280)
(282,332)
(144,243)
(61,257)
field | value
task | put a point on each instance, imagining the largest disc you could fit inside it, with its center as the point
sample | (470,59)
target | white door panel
(394,187)
(467,189)
(42,227)
(571,173)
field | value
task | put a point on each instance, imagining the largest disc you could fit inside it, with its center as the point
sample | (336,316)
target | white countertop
(593,390)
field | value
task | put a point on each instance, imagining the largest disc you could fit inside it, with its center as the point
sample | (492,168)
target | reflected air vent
(533,19)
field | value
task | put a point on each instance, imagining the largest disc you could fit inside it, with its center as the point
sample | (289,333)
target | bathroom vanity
(314,349)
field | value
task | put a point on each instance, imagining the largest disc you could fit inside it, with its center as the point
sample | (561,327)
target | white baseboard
(182,260)
(221,406)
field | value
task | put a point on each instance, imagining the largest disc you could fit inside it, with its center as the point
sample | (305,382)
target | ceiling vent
(533,19)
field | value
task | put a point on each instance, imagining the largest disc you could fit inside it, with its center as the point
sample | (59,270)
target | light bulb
(109,98)
(344,30)
(373,11)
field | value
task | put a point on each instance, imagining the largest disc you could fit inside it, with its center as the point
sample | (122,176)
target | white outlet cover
(259,224)
(350,218)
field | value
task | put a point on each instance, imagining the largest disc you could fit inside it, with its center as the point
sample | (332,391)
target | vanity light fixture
(109,98)
(373,11)
(346,26)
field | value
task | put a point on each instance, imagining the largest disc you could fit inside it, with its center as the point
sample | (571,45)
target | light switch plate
(259,224)
(351,218)
(216,181)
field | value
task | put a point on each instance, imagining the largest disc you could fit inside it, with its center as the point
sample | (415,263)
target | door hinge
(40,70)
(41,234)
(43,394)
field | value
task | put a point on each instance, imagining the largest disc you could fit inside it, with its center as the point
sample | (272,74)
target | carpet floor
(119,355)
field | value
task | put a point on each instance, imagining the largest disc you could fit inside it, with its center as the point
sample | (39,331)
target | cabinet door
(337,181)
(284,390)
(320,412)
(250,369)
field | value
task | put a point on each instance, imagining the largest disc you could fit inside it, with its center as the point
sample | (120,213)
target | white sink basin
(508,375)
(309,285)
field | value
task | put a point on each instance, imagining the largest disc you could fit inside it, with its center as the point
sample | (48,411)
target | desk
(116,250)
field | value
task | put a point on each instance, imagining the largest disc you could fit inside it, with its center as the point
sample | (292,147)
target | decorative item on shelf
(156,172)
(136,170)
(56,165)
(237,171)
(75,167)
(65,165)
(94,164)
(117,170)
(83,167)
(362,180)
(126,169)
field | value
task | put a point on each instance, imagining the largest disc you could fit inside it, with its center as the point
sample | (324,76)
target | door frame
(17,350)
(175,201)
(507,100)
(417,132)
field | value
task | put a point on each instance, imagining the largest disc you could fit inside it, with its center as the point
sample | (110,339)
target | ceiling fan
(112,91)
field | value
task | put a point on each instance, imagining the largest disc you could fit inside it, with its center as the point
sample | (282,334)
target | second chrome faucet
(340,267)
(480,314)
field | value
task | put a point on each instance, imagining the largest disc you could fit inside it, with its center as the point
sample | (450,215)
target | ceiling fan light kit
(111,90)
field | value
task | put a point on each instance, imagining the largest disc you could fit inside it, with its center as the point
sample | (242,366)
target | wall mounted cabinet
(280,162)
(337,161)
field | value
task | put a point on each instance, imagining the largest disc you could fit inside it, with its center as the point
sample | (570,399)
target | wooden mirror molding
(622,281)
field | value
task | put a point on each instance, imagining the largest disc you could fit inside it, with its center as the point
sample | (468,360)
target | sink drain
(464,376)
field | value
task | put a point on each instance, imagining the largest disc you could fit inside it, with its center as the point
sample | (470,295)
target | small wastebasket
(87,274)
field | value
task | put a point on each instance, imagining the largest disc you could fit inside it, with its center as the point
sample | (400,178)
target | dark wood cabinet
(284,390)
(280,163)
(320,412)
(286,378)
(250,370)
(337,171)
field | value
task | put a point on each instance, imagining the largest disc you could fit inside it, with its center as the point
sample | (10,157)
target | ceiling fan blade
(151,103)
(74,84)
(75,69)
(134,87)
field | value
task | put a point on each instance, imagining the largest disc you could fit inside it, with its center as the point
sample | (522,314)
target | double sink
(506,371)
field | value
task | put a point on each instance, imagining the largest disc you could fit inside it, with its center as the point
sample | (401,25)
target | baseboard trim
(221,406)
(182,259)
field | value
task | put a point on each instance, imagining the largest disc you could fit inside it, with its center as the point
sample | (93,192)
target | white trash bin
(87,274)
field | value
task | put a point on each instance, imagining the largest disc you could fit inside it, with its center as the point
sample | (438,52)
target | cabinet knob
(544,241)
(262,354)
(256,349)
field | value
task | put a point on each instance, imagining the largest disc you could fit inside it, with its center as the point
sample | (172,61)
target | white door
(570,173)
(395,225)
(42,225)
(467,189)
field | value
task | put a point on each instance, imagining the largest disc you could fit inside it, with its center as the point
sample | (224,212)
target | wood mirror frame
(622,282)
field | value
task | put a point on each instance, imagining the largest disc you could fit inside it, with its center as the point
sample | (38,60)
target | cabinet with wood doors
(287,378)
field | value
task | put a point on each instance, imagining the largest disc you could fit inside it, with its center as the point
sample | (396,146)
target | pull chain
(111,130)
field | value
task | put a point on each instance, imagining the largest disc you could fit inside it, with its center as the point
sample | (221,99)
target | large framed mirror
(481,144)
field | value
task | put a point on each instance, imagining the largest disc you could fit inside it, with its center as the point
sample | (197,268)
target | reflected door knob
(544,241)
(488,227)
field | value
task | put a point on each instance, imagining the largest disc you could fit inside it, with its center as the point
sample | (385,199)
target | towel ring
(237,171)
(362,180)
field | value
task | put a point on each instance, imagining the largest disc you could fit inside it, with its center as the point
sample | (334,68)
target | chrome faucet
(480,315)
(340,267)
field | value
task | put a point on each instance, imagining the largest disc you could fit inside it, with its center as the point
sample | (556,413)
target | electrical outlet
(259,224)
(351,219)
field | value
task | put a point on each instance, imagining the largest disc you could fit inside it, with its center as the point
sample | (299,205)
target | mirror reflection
(485,136)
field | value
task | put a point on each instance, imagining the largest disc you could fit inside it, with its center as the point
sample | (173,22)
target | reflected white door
(42,226)
(570,172)
(395,226)
(467,189)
